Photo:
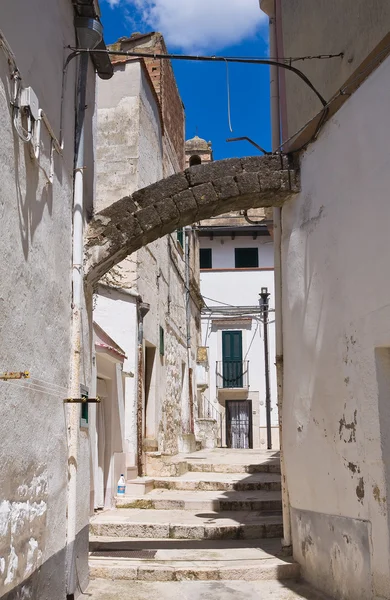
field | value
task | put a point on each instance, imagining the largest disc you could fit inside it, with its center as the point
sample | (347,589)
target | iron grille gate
(239,424)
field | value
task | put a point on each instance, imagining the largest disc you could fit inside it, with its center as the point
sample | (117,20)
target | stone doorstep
(260,570)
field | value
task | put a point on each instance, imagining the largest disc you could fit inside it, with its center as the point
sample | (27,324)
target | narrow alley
(211,517)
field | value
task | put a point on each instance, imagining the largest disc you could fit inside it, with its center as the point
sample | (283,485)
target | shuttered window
(206,258)
(246,258)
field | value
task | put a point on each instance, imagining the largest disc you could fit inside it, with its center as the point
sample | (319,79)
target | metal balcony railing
(232,374)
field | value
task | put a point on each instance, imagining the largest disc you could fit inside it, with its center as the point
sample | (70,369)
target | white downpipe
(268,6)
(73,412)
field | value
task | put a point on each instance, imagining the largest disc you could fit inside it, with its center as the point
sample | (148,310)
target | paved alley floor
(103,589)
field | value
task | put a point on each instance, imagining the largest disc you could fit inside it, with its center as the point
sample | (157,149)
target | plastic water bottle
(121,485)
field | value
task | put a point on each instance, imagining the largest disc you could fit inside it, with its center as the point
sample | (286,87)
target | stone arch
(198,193)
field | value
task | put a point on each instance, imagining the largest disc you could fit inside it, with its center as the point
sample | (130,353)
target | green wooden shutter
(180,236)
(162,342)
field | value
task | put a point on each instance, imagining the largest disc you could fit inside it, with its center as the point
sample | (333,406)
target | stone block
(248,183)
(206,199)
(211,171)
(187,532)
(155,573)
(226,187)
(148,219)
(186,205)
(157,192)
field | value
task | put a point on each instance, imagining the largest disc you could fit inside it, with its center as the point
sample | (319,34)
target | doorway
(239,424)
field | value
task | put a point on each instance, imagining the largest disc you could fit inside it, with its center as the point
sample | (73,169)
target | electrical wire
(32,388)
(255,61)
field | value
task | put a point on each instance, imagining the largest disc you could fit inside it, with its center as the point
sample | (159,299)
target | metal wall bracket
(14,375)
(82,400)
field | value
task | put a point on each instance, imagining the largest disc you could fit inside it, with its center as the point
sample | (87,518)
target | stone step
(204,467)
(162,499)
(180,560)
(181,524)
(226,482)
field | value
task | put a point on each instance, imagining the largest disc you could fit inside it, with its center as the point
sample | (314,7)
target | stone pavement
(102,589)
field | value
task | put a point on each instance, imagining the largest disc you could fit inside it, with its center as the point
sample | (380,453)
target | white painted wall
(239,287)
(35,309)
(336,338)
(133,153)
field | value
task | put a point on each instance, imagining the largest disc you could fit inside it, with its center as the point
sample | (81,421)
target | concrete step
(182,524)
(162,499)
(226,482)
(180,560)
(204,467)
(288,589)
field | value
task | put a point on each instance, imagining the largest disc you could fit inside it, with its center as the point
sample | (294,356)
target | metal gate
(239,424)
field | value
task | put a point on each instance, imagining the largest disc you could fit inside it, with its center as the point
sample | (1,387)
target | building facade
(44,472)
(236,264)
(150,303)
(336,335)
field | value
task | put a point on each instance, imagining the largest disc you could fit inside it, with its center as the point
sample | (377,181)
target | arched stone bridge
(195,194)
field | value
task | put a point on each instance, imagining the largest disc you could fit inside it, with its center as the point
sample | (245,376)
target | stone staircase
(206,516)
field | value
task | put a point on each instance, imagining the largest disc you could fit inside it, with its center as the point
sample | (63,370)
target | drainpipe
(142,309)
(268,6)
(187,233)
(73,411)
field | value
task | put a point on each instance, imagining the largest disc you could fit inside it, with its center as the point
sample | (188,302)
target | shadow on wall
(30,208)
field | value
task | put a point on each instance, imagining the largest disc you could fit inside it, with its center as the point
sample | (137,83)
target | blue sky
(212,27)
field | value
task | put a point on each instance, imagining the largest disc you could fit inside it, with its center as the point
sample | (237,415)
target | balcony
(232,374)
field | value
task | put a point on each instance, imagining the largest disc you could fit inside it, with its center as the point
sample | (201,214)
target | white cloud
(200,25)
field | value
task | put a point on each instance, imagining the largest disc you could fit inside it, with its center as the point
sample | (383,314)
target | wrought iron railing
(232,374)
(207,410)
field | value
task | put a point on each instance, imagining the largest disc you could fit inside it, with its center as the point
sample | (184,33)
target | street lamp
(264,309)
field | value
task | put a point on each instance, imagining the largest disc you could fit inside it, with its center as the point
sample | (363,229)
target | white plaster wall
(133,153)
(223,250)
(116,312)
(35,310)
(336,314)
(238,287)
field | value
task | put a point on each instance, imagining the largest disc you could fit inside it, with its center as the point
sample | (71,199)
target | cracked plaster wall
(336,315)
(35,309)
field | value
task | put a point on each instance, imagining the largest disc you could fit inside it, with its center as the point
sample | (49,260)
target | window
(195,160)
(84,407)
(246,258)
(206,258)
(180,236)
(162,343)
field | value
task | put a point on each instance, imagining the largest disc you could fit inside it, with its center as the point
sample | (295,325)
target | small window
(84,407)
(246,258)
(162,342)
(206,258)
(180,236)
(195,160)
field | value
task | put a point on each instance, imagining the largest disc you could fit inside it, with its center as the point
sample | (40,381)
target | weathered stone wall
(164,82)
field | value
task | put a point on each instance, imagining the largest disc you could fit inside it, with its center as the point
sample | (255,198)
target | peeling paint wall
(336,338)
